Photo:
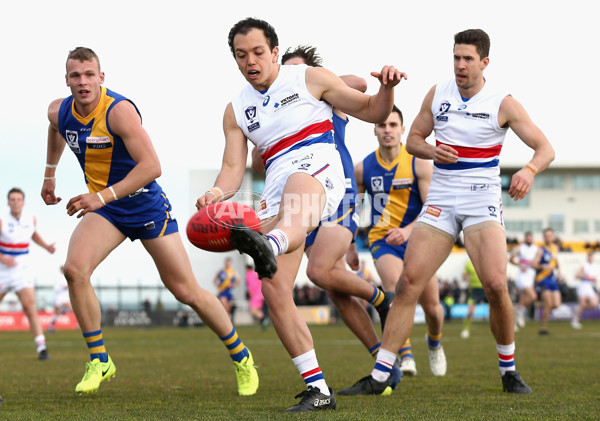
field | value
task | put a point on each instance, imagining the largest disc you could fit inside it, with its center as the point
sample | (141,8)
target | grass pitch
(186,374)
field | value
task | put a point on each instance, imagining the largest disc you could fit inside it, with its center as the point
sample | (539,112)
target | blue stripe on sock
(314,378)
(506,363)
(240,355)
(384,368)
(224,338)
(375,348)
(88,334)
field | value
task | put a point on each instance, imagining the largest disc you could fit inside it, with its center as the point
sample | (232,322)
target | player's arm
(355,82)
(358,173)
(326,86)
(37,238)
(54,150)
(422,127)
(513,115)
(233,165)
(126,123)
(257,161)
(5,259)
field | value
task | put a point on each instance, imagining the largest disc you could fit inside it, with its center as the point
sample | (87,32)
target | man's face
(84,79)
(255,60)
(389,134)
(468,66)
(16,201)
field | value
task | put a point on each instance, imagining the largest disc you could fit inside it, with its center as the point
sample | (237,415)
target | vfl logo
(444,107)
(328,184)
(377,184)
(266,101)
(492,210)
(72,138)
(251,115)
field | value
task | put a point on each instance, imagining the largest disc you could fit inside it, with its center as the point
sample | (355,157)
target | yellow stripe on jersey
(395,210)
(97,160)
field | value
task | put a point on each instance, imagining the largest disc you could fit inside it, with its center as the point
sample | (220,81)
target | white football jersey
(15,236)
(527,253)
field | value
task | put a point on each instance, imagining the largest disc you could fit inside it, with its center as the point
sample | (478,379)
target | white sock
(309,369)
(40,341)
(279,241)
(506,358)
(383,365)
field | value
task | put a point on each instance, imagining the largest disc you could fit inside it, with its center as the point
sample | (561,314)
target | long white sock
(309,369)
(506,358)
(40,342)
(279,241)
(383,365)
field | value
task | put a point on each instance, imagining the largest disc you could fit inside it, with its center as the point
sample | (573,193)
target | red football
(209,228)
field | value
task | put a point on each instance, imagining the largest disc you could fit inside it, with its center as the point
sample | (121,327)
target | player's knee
(74,273)
(496,290)
(319,275)
(409,286)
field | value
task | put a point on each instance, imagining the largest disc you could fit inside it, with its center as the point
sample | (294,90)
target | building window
(557,224)
(586,182)
(523,225)
(549,182)
(597,225)
(509,202)
(581,226)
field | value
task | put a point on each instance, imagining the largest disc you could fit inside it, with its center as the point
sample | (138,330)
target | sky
(172,59)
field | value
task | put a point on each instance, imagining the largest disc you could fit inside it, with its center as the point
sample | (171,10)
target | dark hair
(476,37)
(244,26)
(305,52)
(83,54)
(397,110)
(548,229)
(15,190)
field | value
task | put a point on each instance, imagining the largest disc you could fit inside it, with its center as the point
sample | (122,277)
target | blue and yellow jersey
(394,192)
(102,154)
(549,257)
(226,279)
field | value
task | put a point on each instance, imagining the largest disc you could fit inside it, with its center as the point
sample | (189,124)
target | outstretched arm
(37,238)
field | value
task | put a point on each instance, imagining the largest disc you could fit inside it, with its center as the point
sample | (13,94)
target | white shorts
(525,279)
(585,289)
(322,161)
(455,210)
(15,279)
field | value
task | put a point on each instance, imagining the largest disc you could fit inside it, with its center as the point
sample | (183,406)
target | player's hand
(389,76)
(397,236)
(444,154)
(520,184)
(352,257)
(48,192)
(207,199)
(9,261)
(51,248)
(85,203)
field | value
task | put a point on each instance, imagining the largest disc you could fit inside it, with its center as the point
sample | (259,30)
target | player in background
(17,230)
(475,295)
(226,280)
(547,275)
(587,295)
(397,185)
(523,256)
(62,304)
(286,111)
(104,131)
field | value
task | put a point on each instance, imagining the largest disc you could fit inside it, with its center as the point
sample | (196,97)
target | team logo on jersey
(290,99)
(328,184)
(492,210)
(266,100)
(263,205)
(98,142)
(377,184)
(251,116)
(444,108)
(72,138)
(433,211)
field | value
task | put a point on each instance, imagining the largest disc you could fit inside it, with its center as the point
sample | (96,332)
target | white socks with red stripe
(383,365)
(506,358)
(308,366)
(279,241)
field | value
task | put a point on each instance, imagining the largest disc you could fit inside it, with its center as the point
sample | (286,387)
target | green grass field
(186,374)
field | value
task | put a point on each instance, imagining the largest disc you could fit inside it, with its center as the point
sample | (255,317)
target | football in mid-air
(209,228)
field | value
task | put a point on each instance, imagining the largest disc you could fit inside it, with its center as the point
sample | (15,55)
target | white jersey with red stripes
(527,253)
(285,117)
(589,272)
(15,239)
(470,126)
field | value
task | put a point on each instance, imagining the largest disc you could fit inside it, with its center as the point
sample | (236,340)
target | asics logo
(319,402)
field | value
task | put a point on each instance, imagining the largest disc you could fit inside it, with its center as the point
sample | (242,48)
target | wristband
(49,178)
(218,193)
(113,192)
(532,168)
(51,166)
(101,198)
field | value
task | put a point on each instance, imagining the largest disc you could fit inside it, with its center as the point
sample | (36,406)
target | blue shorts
(227,294)
(548,284)
(380,248)
(151,223)
(346,216)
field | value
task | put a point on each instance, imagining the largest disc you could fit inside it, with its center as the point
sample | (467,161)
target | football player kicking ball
(120,165)
(286,111)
